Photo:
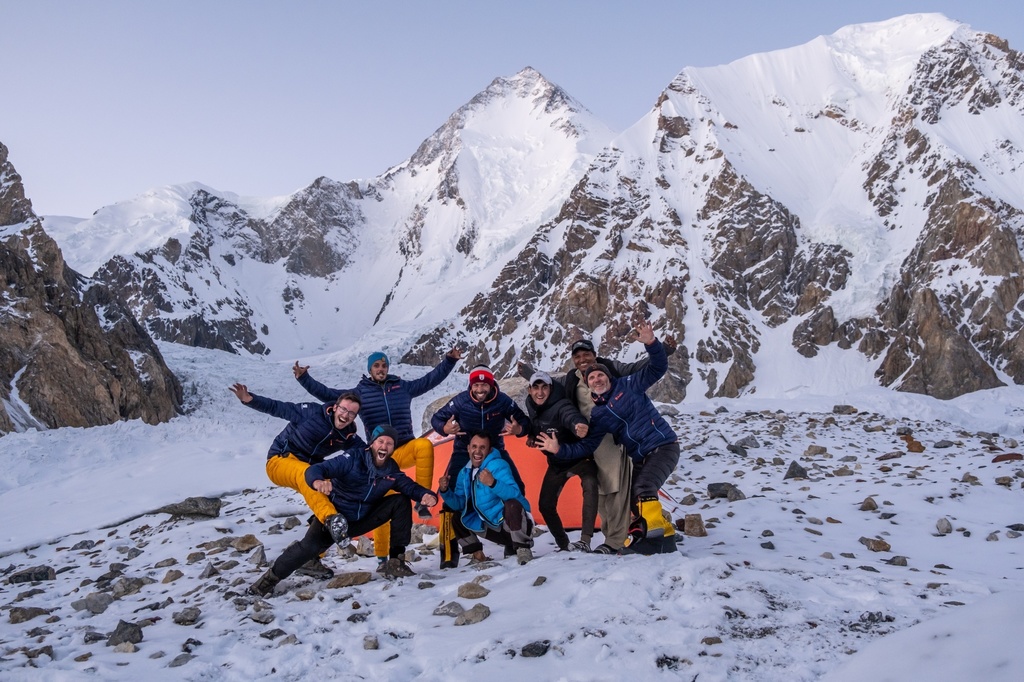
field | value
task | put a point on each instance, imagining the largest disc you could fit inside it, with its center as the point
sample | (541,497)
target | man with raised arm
(622,408)
(387,399)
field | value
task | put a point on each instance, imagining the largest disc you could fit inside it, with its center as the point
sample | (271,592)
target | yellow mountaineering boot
(650,532)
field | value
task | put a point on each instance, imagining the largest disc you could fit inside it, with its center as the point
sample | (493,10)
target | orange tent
(531,464)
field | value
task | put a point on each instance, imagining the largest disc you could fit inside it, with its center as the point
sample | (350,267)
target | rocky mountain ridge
(833,208)
(71,352)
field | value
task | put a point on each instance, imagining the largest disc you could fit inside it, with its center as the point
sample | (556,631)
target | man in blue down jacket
(357,482)
(623,409)
(387,399)
(489,502)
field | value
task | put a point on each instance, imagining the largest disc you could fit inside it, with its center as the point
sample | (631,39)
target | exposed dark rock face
(69,349)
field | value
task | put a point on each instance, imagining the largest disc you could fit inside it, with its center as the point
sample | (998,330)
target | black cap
(583,344)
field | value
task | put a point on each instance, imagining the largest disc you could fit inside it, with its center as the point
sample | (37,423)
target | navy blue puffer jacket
(387,403)
(626,412)
(357,484)
(310,434)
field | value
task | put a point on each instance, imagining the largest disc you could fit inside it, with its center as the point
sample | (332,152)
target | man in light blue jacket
(489,503)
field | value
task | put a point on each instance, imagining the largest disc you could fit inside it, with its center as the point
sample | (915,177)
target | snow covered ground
(783,587)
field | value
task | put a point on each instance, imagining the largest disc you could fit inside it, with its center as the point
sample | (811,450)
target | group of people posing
(596,423)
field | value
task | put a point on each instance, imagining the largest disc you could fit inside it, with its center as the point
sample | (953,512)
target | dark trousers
(651,472)
(394,508)
(551,489)
(515,532)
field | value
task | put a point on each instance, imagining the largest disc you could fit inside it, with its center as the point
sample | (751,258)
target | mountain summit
(838,213)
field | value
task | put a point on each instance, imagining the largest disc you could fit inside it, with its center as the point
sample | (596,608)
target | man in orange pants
(314,431)
(387,399)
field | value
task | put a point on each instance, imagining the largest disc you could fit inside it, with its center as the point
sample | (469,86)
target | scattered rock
(33,575)
(1008,457)
(719,490)
(180,660)
(897,561)
(349,579)
(876,544)
(94,602)
(944,526)
(171,576)
(844,409)
(246,543)
(768,545)
(187,616)
(815,451)
(536,649)
(452,609)
(869,504)
(370,642)
(125,632)
(476,614)
(473,591)
(22,614)
(272,634)
(206,507)
(711,641)
(795,471)
(693,525)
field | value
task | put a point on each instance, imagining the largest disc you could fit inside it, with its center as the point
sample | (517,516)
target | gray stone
(32,575)
(21,614)
(94,602)
(795,471)
(452,609)
(187,616)
(370,642)
(719,490)
(944,526)
(942,444)
(125,632)
(204,507)
(476,614)
(180,660)
(473,591)
(536,649)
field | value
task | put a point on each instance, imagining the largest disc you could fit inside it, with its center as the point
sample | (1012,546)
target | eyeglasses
(347,414)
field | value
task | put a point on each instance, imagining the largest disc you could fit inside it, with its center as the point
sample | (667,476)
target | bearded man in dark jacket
(551,412)
(387,399)
(357,482)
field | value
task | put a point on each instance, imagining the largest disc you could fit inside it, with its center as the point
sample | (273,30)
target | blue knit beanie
(374,357)
(385,430)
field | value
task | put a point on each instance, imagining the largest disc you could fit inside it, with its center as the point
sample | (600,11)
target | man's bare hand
(485,477)
(298,370)
(582,430)
(455,353)
(645,333)
(241,392)
(548,443)
(451,427)
(512,428)
(428,500)
(323,486)
(442,484)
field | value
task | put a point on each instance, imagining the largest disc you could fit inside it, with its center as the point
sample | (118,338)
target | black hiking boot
(265,585)
(315,568)
(651,545)
(396,568)
(337,526)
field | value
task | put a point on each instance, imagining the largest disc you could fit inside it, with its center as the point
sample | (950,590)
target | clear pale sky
(102,100)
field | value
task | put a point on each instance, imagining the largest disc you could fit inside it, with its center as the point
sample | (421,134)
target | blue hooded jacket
(358,484)
(483,506)
(310,434)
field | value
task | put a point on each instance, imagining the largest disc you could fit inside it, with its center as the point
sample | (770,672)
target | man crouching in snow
(489,502)
(357,482)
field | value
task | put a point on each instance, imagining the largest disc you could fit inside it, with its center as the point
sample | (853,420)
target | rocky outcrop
(71,353)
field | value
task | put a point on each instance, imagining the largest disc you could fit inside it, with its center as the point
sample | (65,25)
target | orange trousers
(418,452)
(290,472)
